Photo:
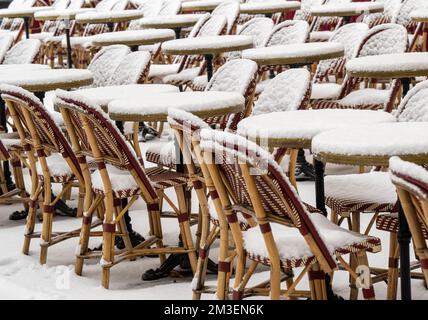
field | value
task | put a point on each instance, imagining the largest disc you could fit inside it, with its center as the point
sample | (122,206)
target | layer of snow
(200,3)
(320,36)
(289,32)
(185,75)
(189,101)
(259,29)
(145,35)
(326,90)
(337,9)
(419,14)
(285,92)
(305,124)
(407,8)
(161,70)
(46,77)
(57,166)
(24,51)
(372,187)
(229,10)
(108,15)
(227,43)
(6,42)
(384,139)
(120,179)
(271,6)
(104,95)
(131,68)
(21,12)
(398,62)
(366,96)
(304,50)
(409,169)
(165,149)
(186,117)
(178,19)
(414,106)
(60,14)
(210,27)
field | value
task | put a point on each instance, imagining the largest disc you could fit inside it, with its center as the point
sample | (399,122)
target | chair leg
(3,184)
(156,227)
(19,179)
(369,293)
(48,210)
(122,225)
(355,226)
(317,283)
(392,267)
(334,216)
(109,230)
(81,201)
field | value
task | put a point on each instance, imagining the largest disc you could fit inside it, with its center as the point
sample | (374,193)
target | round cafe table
(65,15)
(373,146)
(269,8)
(108,17)
(421,16)
(396,66)
(175,22)
(208,46)
(25,67)
(347,11)
(295,55)
(200,5)
(155,108)
(24,13)
(133,38)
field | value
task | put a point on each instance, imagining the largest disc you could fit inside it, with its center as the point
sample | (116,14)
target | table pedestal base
(304,170)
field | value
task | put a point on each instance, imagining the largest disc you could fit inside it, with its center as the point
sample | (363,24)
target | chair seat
(59,170)
(369,192)
(368,99)
(42,36)
(78,41)
(199,83)
(162,70)
(184,77)
(293,249)
(11,140)
(320,36)
(243,223)
(162,153)
(325,91)
(389,223)
(125,186)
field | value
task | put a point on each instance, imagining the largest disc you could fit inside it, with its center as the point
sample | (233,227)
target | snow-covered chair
(105,62)
(382,39)
(330,72)
(189,67)
(239,75)
(6,42)
(353,194)
(258,28)
(15,26)
(289,235)
(51,160)
(121,175)
(25,51)
(389,14)
(322,27)
(133,69)
(230,10)
(304,12)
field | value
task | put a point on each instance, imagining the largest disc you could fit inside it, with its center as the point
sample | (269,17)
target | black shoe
(135,238)
(18,215)
(62,209)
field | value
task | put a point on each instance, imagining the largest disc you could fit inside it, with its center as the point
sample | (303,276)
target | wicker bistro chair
(25,51)
(133,68)
(6,41)
(412,188)
(329,74)
(186,128)
(120,175)
(350,195)
(304,13)
(383,39)
(389,14)
(289,236)
(11,151)
(15,26)
(238,75)
(50,160)
(230,10)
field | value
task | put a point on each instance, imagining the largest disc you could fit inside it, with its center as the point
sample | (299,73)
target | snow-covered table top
(303,53)
(108,16)
(104,95)
(155,108)
(133,37)
(200,5)
(170,22)
(22,67)
(269,7)
(45,80)
(398,65)
(346,10)
(21,12)
(373,144)
(69,14)
(420,15)
(295,129)
(207,45)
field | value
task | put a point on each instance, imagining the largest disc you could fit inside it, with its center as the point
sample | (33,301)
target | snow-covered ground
(22,277)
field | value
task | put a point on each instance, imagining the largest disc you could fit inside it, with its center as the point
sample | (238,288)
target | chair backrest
(414,106)
(106,5)
(6,41)
(75,4)
(389,14)
(289,90)
(407,7)
(61,4)
(36,126)
(350,36)
(256,182)
(197,27)
(239,75)
(289,32)
(411,182)
(214,26)
(229,9)
(328,23)
(384,39)
(170,7)
(259,29)
(25,51)
(132,69)
(101,139)
(304,12)
(105,63)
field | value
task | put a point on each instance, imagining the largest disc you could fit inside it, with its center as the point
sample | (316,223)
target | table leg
(134,48)
(304,170)
(27,27)
(209,60)
(67,38)
(406,85)
(110,26)
(177,33)
(319,186)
